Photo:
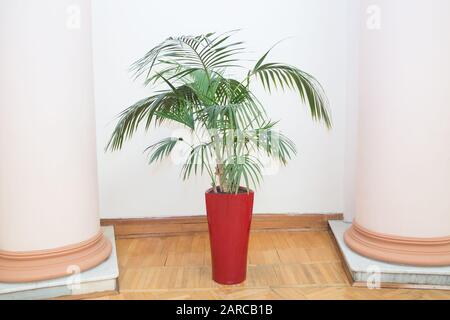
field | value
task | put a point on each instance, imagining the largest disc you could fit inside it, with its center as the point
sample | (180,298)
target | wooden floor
(282,265)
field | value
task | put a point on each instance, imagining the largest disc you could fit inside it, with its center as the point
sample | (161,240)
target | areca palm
(201,95)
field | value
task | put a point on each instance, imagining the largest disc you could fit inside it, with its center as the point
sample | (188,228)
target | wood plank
(283,265)
(157,227)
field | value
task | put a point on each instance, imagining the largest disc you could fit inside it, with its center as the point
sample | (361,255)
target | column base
(56,263)
(399,250)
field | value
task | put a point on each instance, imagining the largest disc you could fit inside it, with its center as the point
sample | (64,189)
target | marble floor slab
(365,270)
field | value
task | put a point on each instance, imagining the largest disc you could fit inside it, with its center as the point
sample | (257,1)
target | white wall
(125,30)
(355,18)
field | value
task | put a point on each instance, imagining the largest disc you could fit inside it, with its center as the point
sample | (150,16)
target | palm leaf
(192,53)
(177,105)
(162,149)
(244,170)
(199,160)
(277,75)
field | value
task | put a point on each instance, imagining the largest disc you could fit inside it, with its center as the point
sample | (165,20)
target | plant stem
(220,172)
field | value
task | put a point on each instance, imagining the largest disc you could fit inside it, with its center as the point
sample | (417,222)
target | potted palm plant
(229,124)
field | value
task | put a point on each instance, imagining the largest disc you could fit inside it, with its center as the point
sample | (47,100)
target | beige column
(49,223)
(403,178)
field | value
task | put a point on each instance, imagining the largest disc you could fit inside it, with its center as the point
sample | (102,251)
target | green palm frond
(162,149)
(176,105)
(281,76)
(276,145)
(206,52)
(179,115)
(231,117)
(199,159)
(129,121)
(235,107)
(229,123)
(246,169)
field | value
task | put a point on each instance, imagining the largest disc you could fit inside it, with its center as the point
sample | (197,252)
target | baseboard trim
(153,227)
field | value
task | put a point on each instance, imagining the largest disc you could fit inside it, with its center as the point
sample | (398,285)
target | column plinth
(403,176)
(400,250)
(53,263)
(49,219)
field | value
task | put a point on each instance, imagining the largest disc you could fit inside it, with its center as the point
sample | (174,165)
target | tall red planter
(229,221)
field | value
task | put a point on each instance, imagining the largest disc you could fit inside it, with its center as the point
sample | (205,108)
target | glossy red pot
(229,221)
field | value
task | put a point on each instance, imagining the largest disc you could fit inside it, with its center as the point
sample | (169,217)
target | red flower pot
(229,221)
